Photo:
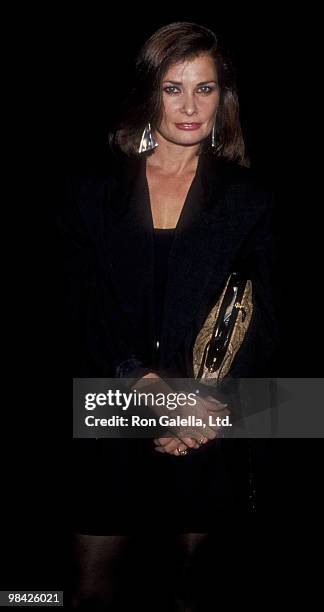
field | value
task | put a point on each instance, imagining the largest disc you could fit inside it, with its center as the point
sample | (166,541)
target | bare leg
(191,545)
(98,563)
(191,542)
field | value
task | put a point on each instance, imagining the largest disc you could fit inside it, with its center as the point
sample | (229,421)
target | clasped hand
(193,436)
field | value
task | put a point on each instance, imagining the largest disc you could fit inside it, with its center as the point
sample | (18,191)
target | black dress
(162,243)
(134,488)
(114,310)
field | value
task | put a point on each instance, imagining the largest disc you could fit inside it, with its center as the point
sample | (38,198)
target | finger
(173,449)
(175,444)
(199,432)
(163,441)
(210,432)
(193,442)
(168,444)
(202,440)
(190,442)
(181,450)
(215,402)
(178,451)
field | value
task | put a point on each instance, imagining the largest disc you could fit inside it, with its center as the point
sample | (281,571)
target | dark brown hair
(171,44)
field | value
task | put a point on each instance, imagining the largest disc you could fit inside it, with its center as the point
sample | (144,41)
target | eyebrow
(198,84)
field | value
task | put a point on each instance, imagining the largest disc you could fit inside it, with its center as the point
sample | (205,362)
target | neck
(171,158)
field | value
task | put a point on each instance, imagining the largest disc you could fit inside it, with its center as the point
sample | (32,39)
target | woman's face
(190,96)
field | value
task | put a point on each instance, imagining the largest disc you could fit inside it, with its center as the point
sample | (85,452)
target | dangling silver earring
(147,143)
(213,139)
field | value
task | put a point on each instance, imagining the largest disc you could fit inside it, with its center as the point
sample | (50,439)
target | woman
(149,249)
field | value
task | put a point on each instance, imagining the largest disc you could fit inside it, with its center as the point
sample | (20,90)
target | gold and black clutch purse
(223,331)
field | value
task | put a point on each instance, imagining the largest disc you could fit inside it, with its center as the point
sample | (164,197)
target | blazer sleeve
(256,356)
(93,335)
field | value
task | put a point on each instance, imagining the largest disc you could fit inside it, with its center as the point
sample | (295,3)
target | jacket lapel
(129,246)
(198,256)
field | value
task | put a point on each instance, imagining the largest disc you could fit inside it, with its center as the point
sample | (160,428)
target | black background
(74,70)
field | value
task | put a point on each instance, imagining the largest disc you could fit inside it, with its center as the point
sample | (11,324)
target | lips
(188,126)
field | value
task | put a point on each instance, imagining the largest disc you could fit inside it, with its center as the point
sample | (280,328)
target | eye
(206,89)
(171,89)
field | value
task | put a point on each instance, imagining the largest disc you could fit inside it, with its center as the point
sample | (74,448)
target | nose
(189,105)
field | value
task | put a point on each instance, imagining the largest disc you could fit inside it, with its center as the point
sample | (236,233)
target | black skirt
(123,486)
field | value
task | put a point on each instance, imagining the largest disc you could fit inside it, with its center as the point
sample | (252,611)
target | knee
(191,545)
(95,570)
(192,561)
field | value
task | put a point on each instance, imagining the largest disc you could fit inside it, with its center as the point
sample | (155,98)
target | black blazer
(106,229)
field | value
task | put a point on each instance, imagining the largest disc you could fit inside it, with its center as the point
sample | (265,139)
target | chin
(186,142)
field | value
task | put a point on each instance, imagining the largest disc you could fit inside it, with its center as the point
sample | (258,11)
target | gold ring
(182,452)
